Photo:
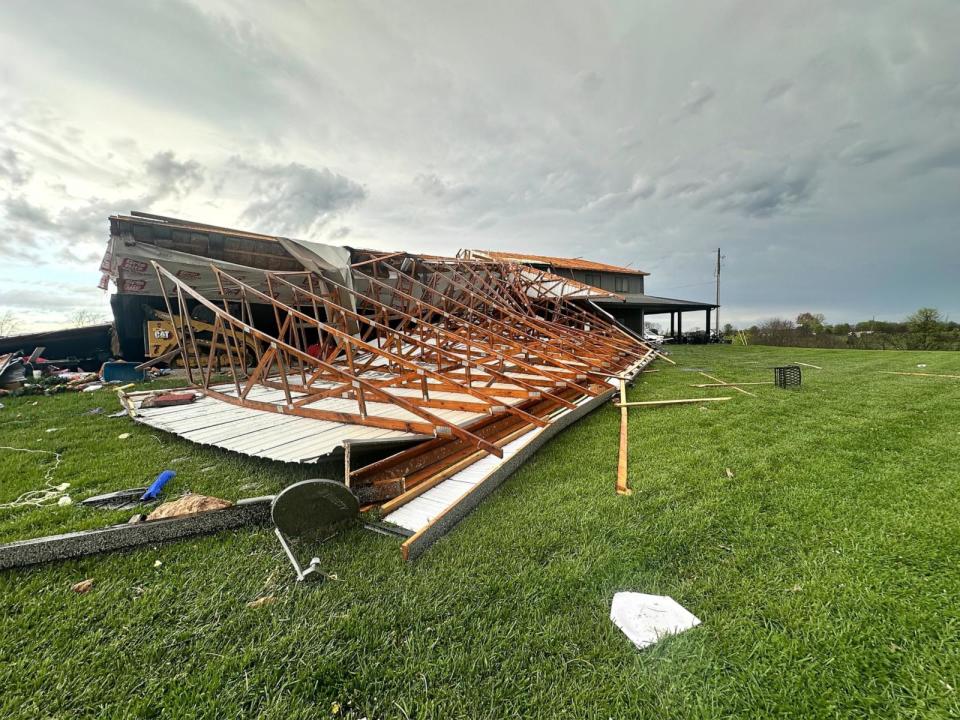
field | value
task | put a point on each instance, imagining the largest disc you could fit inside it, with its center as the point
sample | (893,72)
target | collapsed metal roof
(468,364)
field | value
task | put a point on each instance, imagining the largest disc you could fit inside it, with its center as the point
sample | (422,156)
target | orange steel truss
(414,338)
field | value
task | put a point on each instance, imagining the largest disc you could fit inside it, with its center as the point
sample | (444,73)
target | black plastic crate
(787,376)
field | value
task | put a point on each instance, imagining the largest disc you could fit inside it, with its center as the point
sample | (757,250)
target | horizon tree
(9,324)
(925,323)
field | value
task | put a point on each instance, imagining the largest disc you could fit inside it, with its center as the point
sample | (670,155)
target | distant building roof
(655,303)
(557,262)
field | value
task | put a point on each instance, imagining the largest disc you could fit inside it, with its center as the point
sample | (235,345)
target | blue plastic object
(153,492)
(118,371)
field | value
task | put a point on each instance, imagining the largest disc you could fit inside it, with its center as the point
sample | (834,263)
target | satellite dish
(311,510)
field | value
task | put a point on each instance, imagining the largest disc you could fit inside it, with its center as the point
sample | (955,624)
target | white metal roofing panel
(261,433)
(261,424)
(419,512)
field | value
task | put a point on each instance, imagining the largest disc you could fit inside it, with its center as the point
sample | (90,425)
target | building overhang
(652,304)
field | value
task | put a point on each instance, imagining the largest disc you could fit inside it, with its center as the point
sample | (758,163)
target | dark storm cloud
(863,152)
(433,185)
(589,83)
(35,233)
(20,211)
(683,189)
(947,158)
(294,199)
(698,96)
(805,142)
(762,192)
(166,53)
(32,233)
(640,188)
(169,176)
(777,90)
(12,168)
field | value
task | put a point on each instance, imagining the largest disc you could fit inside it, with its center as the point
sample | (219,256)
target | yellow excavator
(161,340)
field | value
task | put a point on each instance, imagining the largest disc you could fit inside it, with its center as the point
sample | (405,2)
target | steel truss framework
(470,352)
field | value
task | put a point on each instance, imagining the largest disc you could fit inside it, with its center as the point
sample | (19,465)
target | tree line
(926,329)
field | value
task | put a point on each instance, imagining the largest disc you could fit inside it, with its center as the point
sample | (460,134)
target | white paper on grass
(647,618)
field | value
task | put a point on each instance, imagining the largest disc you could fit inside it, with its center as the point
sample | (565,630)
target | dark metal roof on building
(654,302)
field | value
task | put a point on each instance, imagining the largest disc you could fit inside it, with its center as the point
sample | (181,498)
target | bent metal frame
(503,346)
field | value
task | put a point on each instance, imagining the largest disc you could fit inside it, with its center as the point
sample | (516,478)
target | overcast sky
(816,143)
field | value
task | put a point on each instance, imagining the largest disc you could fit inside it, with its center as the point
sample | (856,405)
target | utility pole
(718,295)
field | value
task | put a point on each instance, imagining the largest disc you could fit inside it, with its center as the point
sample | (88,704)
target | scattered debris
(12,373)
(118,414)
(118,500)
(190,504)
(36,376)
(48,495)
(169,400)
(645,619)
(82,587)
(157,563)
(729,473)
(123,436)
(64,501)
(50,430)
(156,487)
(815,367)
(120,371)
(83,347)
(94,411)
(261,601)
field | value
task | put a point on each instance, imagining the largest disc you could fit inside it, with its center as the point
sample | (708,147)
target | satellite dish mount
(312,510)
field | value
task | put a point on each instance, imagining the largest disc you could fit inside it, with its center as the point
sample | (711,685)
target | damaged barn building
(427,379)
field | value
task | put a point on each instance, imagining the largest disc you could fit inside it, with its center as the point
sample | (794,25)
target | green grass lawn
(825,571)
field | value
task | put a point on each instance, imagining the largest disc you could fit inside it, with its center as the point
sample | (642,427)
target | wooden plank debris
(726,384)
(891,372)
(723,384)
(685,401)
(622,487)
